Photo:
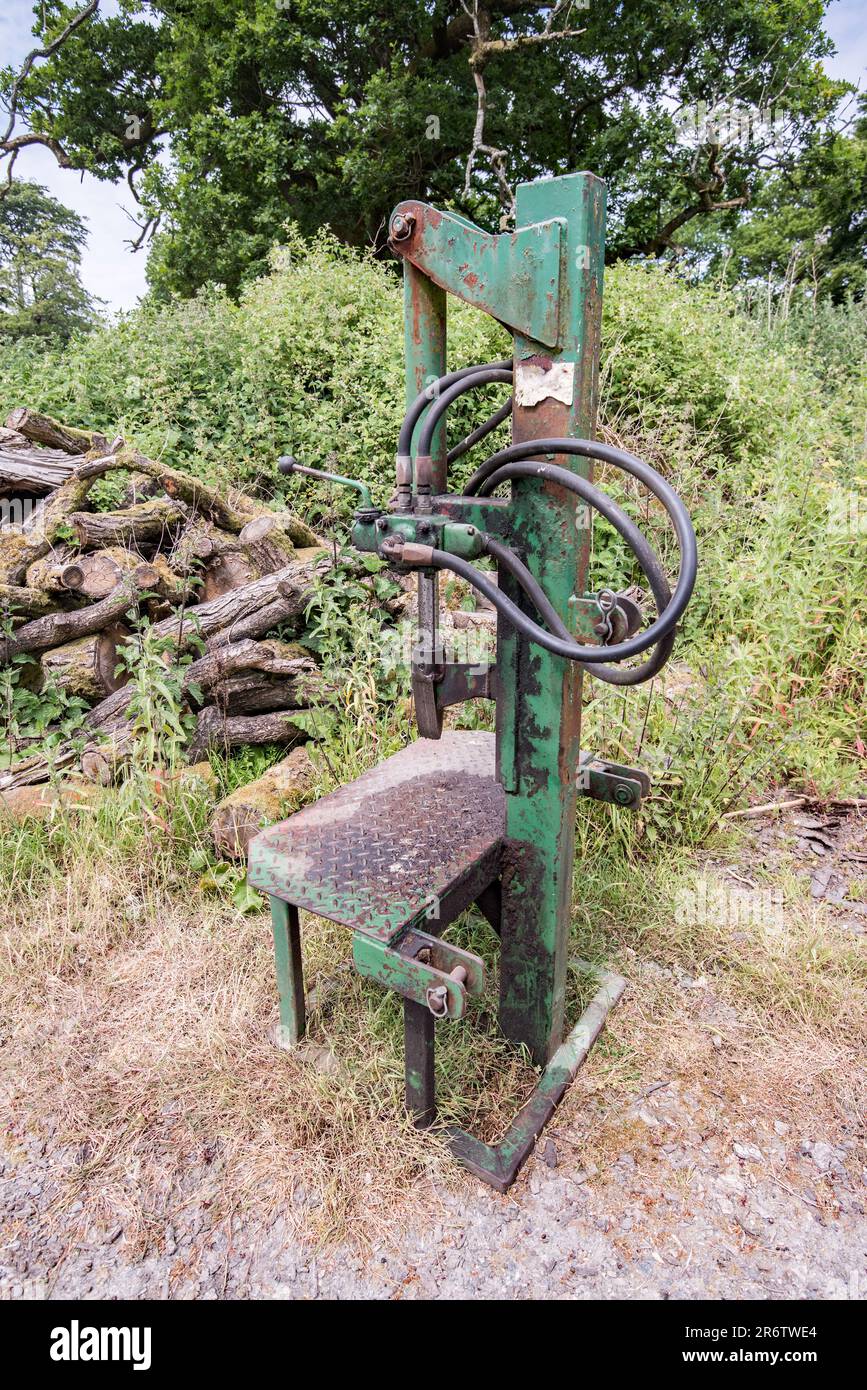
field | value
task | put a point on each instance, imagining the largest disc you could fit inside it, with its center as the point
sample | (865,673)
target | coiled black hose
(513,462)
(483,376)
(574,651)
(654,572)
(432,393)
(510,463)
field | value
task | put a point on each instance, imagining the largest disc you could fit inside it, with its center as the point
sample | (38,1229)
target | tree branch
(11,145)
(483,47)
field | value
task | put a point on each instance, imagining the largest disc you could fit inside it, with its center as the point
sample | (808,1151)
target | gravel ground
(702,1207)
(700,1197)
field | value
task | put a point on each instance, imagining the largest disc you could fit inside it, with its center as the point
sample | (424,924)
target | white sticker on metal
(534,383)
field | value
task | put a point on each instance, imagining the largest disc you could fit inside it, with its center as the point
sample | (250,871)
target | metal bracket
(423,969)
(603,781)
(514,276)
(499,1164)
(462,681)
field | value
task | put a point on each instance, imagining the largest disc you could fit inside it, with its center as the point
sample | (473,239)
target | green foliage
(806,234)
(244,765)
(156,713)
(31,703)
(326,114)
(310,362)
(41,294)
(760,428)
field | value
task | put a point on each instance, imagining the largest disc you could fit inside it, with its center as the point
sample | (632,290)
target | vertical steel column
(419,1041)
(290,971)
(539,695)
(424,317)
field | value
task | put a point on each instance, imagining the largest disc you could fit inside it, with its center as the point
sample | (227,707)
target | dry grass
(139,1017)
(139,1020)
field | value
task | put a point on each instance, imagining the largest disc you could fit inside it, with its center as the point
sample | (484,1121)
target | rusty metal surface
(383,851)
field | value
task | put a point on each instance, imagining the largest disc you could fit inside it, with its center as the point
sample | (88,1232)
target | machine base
(499,1164)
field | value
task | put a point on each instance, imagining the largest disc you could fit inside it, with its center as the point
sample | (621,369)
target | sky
(111,272)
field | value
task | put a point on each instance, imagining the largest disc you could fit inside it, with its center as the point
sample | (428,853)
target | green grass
(171,999)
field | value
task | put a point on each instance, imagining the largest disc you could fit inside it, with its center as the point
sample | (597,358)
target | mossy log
(198,542)
(56,629)
(139,488)
(278,793)
(86,667)
(217,730)
(250,611)
(21,546)
(47,572)
(25,468)
(231,511)
(279,659)
(93,576)
(147,523)
(271,540)
(18,601)
(43,429)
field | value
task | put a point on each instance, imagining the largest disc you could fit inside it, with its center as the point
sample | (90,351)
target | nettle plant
(32,704)
(346,618)
(159,721)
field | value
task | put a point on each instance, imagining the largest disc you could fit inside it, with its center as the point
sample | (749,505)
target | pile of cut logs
(216,572)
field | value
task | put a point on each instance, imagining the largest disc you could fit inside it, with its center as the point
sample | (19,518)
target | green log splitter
(459,818)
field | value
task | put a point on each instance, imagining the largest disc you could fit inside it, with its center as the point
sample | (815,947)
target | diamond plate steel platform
(385,851)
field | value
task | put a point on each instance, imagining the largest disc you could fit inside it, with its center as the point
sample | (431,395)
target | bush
(757,428)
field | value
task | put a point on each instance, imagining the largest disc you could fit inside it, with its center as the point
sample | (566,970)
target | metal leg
(290,971)
(419,1041)
(490,901)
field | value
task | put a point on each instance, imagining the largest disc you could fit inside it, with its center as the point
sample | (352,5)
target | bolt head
(401,226)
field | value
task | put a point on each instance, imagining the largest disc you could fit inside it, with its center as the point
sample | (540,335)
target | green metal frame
(544,281)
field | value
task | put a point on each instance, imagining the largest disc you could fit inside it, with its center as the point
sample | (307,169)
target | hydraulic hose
(504,465)
(429,394)
(573,651)
(653,571)
(482,376)
(480,433)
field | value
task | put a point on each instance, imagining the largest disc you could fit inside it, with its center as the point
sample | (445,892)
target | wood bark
(198,543)
(25,468)
(251,611)
(43,429)
(55,629)
(220,731)
(268,544)
(86,667)
(255,692)
(272,539)
(20,546)
(276,658)
(146,523)
(20,602)
(278,793)
(139,488)
(94,576)
(231,512)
